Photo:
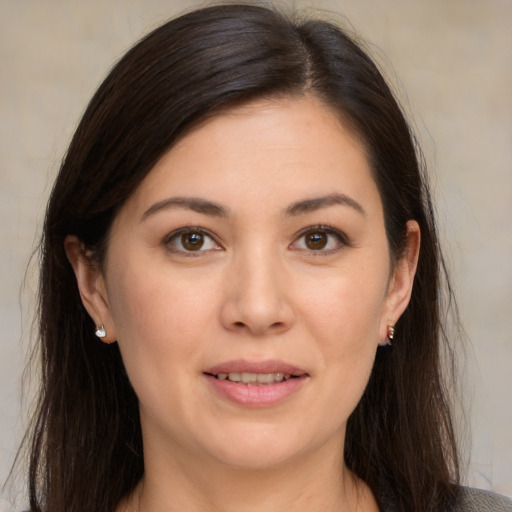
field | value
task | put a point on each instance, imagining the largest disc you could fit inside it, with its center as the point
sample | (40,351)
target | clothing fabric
(468,500)
(476,500)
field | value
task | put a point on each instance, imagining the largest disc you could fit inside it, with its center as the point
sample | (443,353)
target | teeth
(266,378)
(254,378)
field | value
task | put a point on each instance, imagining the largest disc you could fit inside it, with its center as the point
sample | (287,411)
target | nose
(257,299)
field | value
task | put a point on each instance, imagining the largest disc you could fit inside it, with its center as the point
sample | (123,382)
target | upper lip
(246,366)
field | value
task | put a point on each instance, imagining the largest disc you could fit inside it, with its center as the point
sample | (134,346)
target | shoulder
(467,499)
(477,500)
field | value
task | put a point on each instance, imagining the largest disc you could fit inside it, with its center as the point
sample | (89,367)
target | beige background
(454,60)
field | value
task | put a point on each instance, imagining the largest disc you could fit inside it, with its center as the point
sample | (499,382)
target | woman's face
(255,250)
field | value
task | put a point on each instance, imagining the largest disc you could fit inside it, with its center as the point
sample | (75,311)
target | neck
(318,481)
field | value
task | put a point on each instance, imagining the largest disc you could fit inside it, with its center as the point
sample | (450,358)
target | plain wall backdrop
(453,60)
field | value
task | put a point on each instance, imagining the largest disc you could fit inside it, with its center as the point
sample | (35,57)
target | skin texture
(254,291)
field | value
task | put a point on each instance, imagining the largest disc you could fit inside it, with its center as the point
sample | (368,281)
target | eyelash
(175,235)
(342,240)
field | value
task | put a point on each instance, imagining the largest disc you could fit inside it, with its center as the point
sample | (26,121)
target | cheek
(157,302)
(345,310)
(161,323)
(344,315)
(160,319)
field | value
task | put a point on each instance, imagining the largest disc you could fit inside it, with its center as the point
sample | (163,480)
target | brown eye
(321,239)
(192,241)
(316,240)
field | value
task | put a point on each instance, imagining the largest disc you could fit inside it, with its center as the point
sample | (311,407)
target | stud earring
(100,331)
(389,337)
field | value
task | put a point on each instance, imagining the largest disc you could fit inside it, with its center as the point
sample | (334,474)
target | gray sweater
(476,500)
(469,500)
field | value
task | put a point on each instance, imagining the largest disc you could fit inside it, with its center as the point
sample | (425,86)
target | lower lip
(248,395)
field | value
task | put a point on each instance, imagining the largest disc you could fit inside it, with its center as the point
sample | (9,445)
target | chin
(258,448)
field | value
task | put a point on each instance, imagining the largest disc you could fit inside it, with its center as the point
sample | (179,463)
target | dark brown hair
(87,451)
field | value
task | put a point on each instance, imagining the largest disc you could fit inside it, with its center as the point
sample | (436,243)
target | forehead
(273,149)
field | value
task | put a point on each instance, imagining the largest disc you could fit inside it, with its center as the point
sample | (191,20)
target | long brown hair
(86,451)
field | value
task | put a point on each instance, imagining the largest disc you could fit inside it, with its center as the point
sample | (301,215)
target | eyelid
(343,239)
(189,229)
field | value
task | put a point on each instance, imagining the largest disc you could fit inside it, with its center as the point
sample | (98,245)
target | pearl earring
(100,331)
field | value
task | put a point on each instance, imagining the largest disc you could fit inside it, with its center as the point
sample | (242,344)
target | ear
(91,285)
(401,281)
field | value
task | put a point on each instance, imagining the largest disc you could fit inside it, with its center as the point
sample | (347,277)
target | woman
(239,229)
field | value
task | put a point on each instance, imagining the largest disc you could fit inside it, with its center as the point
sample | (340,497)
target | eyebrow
(212,209)
(317,203)
(188,203)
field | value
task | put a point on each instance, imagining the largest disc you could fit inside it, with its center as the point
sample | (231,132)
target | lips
(244,366)
(255,383)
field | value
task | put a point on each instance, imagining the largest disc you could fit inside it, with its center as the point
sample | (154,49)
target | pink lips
(255,395)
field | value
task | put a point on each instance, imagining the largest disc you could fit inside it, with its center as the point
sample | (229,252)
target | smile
(254,378)
(255,383)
